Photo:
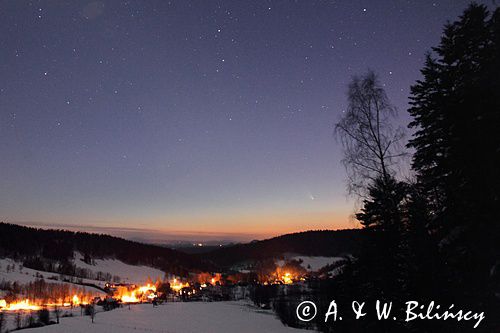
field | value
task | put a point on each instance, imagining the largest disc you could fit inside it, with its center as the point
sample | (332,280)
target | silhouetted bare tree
(370,142)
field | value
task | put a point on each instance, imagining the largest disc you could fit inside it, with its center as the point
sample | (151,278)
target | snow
(24,275)
(127,273)
(10,316)
(312,264)
(175,317)
(317,263)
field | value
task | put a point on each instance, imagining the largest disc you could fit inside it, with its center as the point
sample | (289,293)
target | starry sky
(212,119)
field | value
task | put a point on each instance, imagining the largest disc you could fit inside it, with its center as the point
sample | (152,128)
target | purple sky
(193,117)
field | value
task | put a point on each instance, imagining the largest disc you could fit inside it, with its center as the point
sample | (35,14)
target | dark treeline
(52,250)
(309,243)
(435,237)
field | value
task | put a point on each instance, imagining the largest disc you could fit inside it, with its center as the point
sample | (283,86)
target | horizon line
(155,235)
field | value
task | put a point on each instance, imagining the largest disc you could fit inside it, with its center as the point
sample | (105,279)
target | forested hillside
(326,243)
(40,249)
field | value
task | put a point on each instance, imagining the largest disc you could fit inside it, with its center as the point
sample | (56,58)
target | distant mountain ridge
(327,243)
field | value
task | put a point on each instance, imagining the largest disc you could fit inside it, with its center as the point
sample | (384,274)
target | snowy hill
(127,273)
(14,271)
(311,264)
(41,249)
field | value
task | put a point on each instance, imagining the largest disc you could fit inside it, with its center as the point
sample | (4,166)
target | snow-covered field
(127,273)
(176,317)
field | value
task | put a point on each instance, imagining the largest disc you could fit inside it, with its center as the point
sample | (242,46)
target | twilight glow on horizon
(208,118)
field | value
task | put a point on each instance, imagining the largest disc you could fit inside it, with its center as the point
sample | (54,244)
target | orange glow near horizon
(215,228)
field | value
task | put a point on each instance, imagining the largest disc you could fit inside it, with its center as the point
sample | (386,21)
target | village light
(135,294)
(35,304)
(147,288)
(177,286)
(21,305)
(287,278)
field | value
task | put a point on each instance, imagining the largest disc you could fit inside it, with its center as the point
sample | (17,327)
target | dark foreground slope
(309,243)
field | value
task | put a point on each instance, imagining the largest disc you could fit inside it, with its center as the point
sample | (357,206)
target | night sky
(212,118)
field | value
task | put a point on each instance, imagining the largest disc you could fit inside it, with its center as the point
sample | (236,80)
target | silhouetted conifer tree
(456,111)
